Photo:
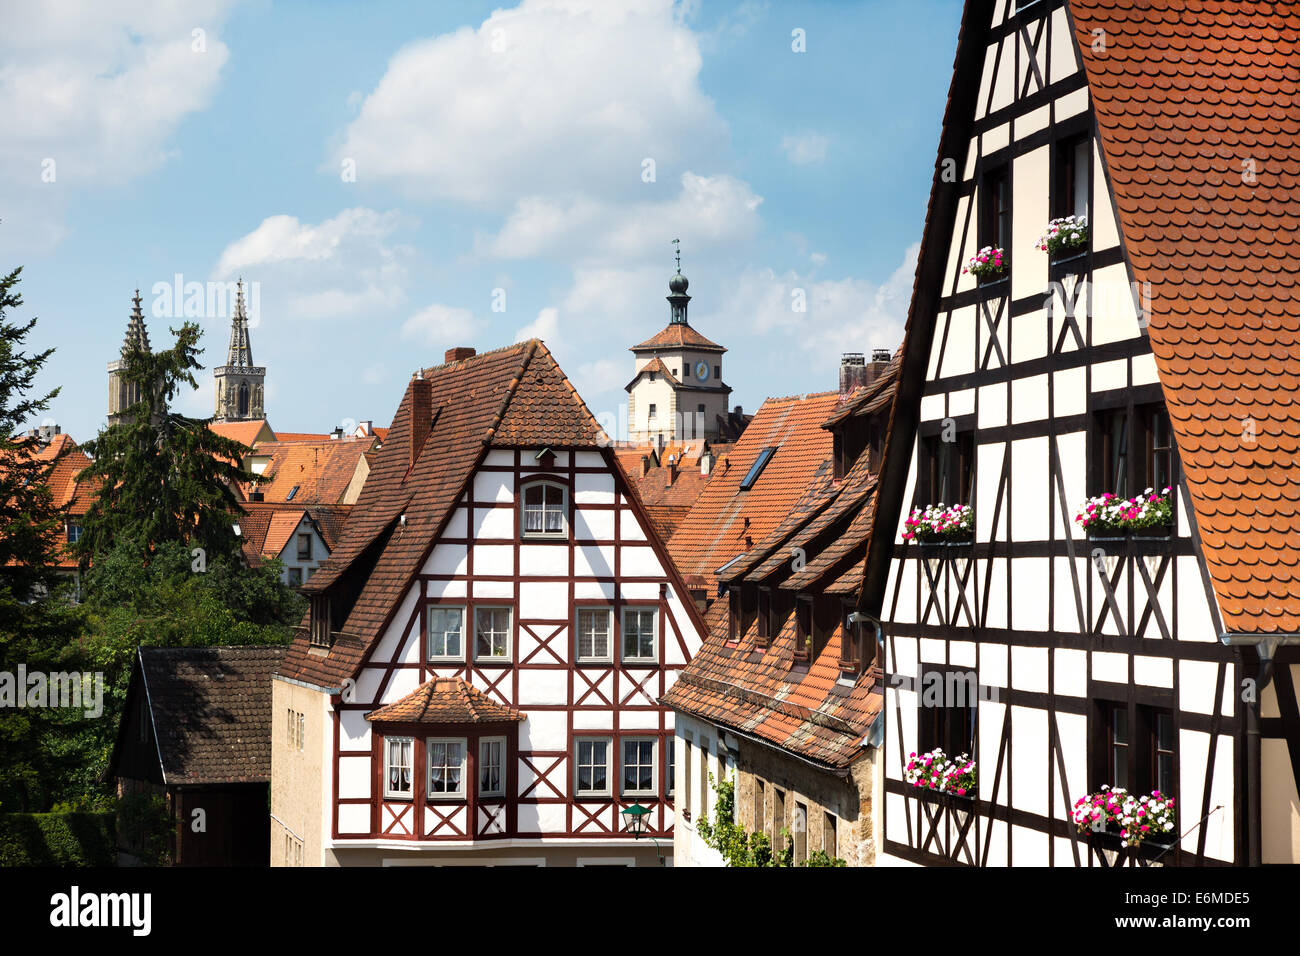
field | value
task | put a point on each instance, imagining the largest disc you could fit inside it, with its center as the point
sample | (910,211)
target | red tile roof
(515,396)
(667,503)
(321,470)
(65,490)
(448,700)
(243,432)
(716,528)
(656,364)
(678,335)
(1185,94)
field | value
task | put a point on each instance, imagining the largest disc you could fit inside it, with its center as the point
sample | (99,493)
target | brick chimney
(645,465)
(458,355)
(853,372)
(670,471)
(880,359)
(421,414)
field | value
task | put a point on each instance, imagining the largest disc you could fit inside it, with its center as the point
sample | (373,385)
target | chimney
(367,428)
(670,472)
(880,359)
(458,355)
(706,463)
(853,372)
(421,414)
(337,433)
(645,465)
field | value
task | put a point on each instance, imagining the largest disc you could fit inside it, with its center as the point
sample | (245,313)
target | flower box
(990,264)
(937,773)
(940,524)
(1134,819)
(1150,514)
(1065,237)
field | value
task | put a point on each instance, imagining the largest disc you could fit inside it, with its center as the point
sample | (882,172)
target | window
(700,408)
(397,767)
(295,577)
(995,209)
(639,634)
(704,777)
(717,371)
(949,722)
(639,767)
(686,767)
(491,767)
(803,628)
(297,729)
(946,469)
(592,766)
(1133,449)
(760,806)
(733,614)
(670,766)
(446,767)
(764,615)
(857,643)
(778,820)
(292,492)
(74,533)
(593,634)
(492,633)
(654,409)
(1139,748)
(830,836)
(545,510)
(1070,189)
(304,547)
(446,633)
(756,468)
(799,832)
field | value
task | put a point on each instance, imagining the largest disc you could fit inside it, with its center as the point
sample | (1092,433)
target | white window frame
(608,656)
(510,633)
(654,635)
(577,767)
(654,767)
(431,794)
(483,762)
(561,534)
(389,792)
(428,632)
(670,766)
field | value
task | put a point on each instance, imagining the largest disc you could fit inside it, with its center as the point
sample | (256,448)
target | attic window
(756,469)
(545,509)
(292,491)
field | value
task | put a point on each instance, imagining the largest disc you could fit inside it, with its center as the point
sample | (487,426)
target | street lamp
(637,823)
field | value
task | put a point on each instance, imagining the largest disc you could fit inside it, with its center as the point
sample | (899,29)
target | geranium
(939,772)
(940,523)
(989,262)
(1110,512)
(1136,818)
(1065,234)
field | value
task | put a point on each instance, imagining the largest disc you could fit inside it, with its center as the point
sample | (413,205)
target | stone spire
(240,354)
(136,331)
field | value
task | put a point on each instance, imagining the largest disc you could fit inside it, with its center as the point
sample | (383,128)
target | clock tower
(677,392)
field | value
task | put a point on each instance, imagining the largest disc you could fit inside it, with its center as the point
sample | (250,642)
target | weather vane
(677,249)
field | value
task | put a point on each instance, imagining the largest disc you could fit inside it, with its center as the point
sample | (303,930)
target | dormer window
(803,639)
(545,508)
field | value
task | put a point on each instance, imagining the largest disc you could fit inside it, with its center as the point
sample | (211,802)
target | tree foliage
(164,477)
(738,846)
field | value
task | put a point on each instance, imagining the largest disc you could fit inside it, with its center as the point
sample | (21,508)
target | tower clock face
(702,370)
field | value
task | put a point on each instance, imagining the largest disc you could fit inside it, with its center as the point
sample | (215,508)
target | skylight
(292,491)
(756,469)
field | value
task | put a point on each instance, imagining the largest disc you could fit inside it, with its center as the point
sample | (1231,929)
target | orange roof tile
(1184,96)
(678,335)
(243,432)
(718,526)
(321,470)
(446,700)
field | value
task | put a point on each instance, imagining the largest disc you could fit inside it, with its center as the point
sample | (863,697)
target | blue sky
(500,156)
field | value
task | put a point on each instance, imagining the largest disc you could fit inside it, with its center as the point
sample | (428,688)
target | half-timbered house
(478,680)
(784,697)
(1160,352)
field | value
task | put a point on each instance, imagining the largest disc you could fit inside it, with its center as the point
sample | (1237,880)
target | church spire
(677,285)
(240,354)
(136,331)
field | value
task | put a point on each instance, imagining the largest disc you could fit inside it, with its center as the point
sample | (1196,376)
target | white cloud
(708,210)
(346,265)
(805,149)
(443,326)
(545,327)
(90,94)
(550,98)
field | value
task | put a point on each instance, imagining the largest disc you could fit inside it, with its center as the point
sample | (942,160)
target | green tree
(738,846)
(36,623)
(164,477)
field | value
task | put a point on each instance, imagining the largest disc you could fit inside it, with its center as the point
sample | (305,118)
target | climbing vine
(738,846)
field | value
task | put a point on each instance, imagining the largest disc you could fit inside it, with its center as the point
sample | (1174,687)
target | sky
(395,179)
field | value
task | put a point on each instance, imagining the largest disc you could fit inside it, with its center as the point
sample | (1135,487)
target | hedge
(57,839)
